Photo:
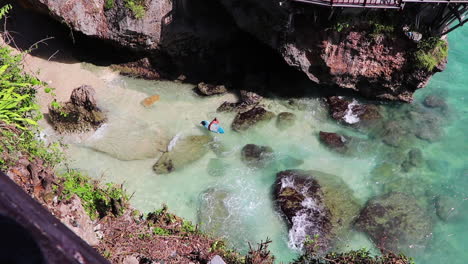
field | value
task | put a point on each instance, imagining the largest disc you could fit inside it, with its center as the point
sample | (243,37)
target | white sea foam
(350,117)
(173,141)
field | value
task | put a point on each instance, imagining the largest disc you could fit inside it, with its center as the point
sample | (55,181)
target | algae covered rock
(79,114)
(395,221)
(246,120)
(314,203)
(256,156)
(285,120)
(186,151)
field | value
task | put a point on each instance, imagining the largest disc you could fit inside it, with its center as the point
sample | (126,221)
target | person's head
(203,123)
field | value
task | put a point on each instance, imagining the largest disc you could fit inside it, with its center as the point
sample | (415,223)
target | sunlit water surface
(132,129)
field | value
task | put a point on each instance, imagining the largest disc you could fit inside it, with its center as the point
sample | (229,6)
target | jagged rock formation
(318,205)
(190,35)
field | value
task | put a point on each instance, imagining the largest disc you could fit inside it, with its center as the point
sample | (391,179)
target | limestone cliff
(371,54)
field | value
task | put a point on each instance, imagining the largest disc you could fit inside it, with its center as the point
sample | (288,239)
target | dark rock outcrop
(256,156)
(314,203)
(248,100)
(191,34)
(210,89)
(80,114)
(414,159)
(246,120)
(395,221)
(285,120)
(334,141)
(141,68)
(351,112)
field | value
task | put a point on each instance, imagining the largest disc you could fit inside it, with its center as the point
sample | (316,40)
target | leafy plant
(108,4)
(97,201)
(431,52)
(137,7)
(160,231)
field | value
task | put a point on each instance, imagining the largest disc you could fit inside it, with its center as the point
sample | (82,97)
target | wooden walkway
(375,3)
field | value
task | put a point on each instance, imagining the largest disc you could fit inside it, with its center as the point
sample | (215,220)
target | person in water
(215,121)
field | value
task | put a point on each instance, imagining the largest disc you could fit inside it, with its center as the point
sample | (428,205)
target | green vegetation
(340,26)
(362,256)
(137,7)
(159,231)
(108,4)
(97,201)
(18,113)
(431,52)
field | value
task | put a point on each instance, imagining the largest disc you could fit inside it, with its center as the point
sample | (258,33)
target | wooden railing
(374,3)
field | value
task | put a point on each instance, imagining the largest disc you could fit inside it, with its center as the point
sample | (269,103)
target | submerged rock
(129,139)
(395,222)
(414,159)
(434,101)
(256,156)
(80,114)
(314,203)
(210,89)
(334,141)
(449,208)
(186,151)
(285,120)
(217,167)
(248,100)
(213,214)
(246,120)
(138,69)
(384,173)
(393,133)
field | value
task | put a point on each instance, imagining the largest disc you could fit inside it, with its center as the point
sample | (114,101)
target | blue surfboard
(215,128)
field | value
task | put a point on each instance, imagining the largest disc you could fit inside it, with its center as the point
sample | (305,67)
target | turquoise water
(238,198)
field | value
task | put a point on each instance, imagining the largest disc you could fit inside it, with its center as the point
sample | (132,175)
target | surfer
(215,121)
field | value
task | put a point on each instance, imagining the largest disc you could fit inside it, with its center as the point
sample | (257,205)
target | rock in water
(314,203)
(285,120)
(256,156)
(250,98)
(352,112)
(449,208)
(84,96)
(246,120)
(79,114)
(129,138)
(217,167)
(210,89)
(213,213)
(434,101)
(149,101)
(334,141)
(395,222)
(185,152)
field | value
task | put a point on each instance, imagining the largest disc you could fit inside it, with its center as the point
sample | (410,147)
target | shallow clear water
(128,146)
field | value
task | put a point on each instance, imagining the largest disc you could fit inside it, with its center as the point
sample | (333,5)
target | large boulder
(80,114)
(395,222)
(246,120)
(256,156)
(314,203)
(186,151)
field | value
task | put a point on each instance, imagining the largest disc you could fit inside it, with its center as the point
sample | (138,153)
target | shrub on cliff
(431,52)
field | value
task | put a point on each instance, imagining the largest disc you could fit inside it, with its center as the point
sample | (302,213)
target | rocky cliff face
(208,38)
